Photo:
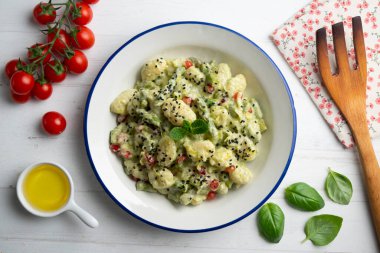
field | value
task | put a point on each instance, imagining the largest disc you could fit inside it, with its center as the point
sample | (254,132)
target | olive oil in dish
(47,188)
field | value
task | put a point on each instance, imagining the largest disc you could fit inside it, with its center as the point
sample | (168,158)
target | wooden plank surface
(116,21)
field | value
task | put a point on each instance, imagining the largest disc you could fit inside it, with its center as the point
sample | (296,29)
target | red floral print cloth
(296,42)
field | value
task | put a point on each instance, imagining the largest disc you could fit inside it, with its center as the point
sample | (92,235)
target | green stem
(57,27)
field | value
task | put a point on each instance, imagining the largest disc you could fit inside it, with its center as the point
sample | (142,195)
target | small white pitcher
(69,206)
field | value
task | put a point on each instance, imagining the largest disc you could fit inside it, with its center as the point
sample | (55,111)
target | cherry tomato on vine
(82,14)
(55,72)
(42,90)
(53,123)
(44,13)
(62,42)
(21,82)
(21,99)
(37,51)
(13,66)
(91,1)
(77,63)
(82,37)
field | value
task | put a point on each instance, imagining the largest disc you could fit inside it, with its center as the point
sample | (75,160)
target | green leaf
(322,229)
(187,126)
(304,197)
(209,102)
(271,221)
(199,126)
(338,188)
(177,133)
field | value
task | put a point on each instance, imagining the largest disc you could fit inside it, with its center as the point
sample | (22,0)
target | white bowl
(208,42)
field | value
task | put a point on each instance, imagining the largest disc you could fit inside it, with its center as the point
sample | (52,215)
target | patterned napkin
(296,41)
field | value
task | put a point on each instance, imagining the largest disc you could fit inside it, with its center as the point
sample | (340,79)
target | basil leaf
(304,197)
(270,221)
(199,126)
(177,133)
(209,102)
(187,126)
(338,188)
(322,229)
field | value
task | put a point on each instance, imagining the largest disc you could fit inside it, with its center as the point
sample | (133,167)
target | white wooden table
(116,21)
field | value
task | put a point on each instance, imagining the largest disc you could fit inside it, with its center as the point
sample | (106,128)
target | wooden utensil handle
(371,172)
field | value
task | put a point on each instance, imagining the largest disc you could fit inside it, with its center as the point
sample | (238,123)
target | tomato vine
(49,62)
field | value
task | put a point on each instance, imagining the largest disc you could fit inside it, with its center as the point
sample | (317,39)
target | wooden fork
(347,88)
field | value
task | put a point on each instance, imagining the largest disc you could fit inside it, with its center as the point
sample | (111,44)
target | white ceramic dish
(70,205)
(208,42)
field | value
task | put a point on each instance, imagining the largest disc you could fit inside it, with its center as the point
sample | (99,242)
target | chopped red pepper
(236,96)
(214,184)
(211,195)
(188,64)
(126,154)
(209,88)
(187,100)
(150,159)
(202,171)
(114,148)
(181,158)
(230,169)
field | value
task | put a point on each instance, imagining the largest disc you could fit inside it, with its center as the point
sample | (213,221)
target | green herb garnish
(338,188)
(209,102)
(304,197)
(271,221)
(199,126)
(322,229)
(178,133)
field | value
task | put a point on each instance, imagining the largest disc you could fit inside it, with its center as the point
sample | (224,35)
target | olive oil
(47,188)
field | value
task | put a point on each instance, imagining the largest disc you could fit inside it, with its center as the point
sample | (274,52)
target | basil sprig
(322,229)
(338,187)
(304,197)
(199,126)
(271,221)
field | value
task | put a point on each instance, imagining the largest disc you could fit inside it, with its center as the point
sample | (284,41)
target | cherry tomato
(53,123)
(21,83)
(42,90)
(230,169)
(214,184)
(55,72)
(91,1)
(13,66)
(82,37)
(21,99)
(37,51)
(187,100)
(188,64)
(211,195)
(82,14)
(62,42)
(44,13)
(77,63)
